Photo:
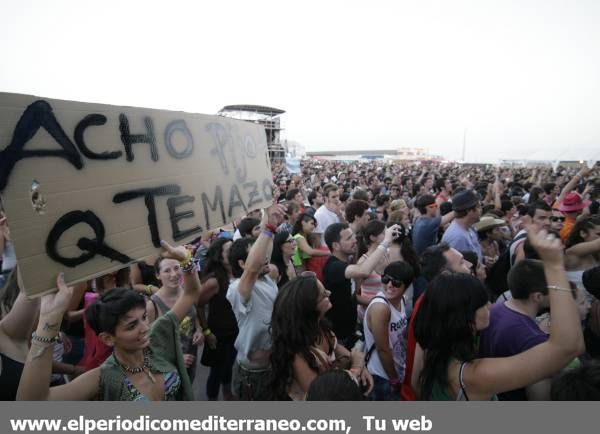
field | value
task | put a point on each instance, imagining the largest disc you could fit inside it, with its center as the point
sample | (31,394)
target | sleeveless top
(165,357)
(324,362)
(187,326)
(299,255)
(397,330)
(172,384)
(439,392)
(221,319)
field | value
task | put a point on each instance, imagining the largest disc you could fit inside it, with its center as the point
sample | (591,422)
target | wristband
(206,332)
(187,260)
(395,382)
(271,228)
(268,233)
(559,288)
(35,338)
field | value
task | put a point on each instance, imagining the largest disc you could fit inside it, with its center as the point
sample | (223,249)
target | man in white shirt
(329,213)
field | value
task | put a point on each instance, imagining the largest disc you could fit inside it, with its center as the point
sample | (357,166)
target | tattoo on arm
(51,327)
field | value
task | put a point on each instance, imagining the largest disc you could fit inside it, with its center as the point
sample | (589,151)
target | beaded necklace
(136,370)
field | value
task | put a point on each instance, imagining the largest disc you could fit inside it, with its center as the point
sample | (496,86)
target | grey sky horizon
(523,77)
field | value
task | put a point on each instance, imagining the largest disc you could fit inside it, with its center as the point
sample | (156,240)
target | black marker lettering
(213,206)
(221,138)
(92,247)
(89,120)
(36,115)
(179,125)
(253,193)
(235,200)
(129,139)
(148,194)
(172,204)
(225,140)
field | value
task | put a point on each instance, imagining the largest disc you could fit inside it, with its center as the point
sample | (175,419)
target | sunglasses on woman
(387,279)
(557,219)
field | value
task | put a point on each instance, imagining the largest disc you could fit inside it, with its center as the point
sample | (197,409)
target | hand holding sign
(117,180)
(54,306)
(179,253)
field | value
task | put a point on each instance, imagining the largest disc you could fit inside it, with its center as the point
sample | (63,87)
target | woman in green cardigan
(147,362)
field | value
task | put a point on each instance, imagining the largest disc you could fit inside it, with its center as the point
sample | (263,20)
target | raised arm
(584,249)
(19,321)
(447,218)
(495,375)
(362,270)
(306,248)
(571,184)
(260,252)
(35,379)
(191,281)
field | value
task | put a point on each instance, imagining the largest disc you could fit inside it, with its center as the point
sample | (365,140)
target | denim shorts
(383,390)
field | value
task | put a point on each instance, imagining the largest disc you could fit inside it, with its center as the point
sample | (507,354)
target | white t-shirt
(324,219)
(253,317)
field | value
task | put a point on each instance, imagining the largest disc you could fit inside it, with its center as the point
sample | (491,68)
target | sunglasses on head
(387,279)
(557,219)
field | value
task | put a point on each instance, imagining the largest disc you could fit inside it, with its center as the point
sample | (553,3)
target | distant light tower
(464,148)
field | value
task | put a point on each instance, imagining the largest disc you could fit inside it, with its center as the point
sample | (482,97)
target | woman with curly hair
(303,343)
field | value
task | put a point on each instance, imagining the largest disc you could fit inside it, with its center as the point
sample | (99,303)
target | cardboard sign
(88,188)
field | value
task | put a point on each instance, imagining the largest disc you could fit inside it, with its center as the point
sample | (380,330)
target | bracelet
(206,332)
(395,382)
(560,288)
(41,340)
(149,290)
(191,267)
(383,246)
(186,261)
(271,228)
(267,233)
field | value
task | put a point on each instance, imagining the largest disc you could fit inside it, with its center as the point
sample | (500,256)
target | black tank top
(9,378)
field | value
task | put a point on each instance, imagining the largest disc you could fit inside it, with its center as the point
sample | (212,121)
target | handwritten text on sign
(89,187)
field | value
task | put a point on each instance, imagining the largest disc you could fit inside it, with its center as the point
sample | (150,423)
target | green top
(439,391)
(299,255)
(165,357)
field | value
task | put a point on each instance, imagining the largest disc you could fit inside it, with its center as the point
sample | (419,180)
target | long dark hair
(214,264)
(444,326)
(407,250)
(297,229)
(586,224)
(295,328)
(277,256)
(374,228)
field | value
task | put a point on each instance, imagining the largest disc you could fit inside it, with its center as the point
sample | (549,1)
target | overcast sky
(523,77)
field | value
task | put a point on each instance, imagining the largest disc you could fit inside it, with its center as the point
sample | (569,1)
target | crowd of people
(370,280)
